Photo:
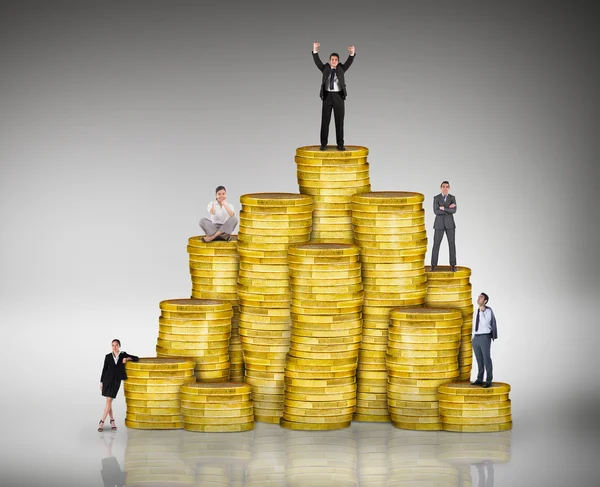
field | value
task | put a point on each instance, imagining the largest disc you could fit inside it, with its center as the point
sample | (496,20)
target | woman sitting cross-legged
(222,220)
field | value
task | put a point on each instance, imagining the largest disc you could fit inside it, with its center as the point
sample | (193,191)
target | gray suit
(444,222)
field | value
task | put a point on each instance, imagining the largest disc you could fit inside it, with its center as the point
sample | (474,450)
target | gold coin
(477,428)
(212,416)
(317,419)
(314,375)
(309,384)
(472,398)
(313,426)
(151,364)
(323,355)
(444,272)
(416,427)
(325,340)
(465,388)
(388,198)
(147,404)
(324,250)
(467,408)
(370,418)
(481,415)
(197,305)
(153,418)
(313,152)
(219,428)
(316,397)
(153,426)
(331,183)
(339,166)
(275,199)
(270,214)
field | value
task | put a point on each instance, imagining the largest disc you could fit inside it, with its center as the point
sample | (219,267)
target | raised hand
(212,209)
(316,46)
(351,49)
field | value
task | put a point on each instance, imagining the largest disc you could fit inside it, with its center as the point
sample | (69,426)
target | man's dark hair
(444,182)
(334,54)
(219,188)
(117,340)
(486,297)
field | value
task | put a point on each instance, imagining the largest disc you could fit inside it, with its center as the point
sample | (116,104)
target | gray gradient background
(118,121)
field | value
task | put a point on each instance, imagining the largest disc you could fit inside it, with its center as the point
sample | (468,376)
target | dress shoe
(323,147)
(452,268)
(487,384)
(432,268)
(341,147)
(477,383)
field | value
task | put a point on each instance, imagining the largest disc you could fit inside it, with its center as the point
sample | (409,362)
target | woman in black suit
(113,372)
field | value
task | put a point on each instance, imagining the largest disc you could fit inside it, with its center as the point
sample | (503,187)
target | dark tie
(331,79)
(477,322)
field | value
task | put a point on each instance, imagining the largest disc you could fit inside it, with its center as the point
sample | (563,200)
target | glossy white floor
(547,446)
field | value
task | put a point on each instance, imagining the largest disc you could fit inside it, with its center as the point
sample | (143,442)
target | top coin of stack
(269,223)
(331,178)
(152,392)
(447,289)
(214,268)
(389,227)
(470,408)
(198,329)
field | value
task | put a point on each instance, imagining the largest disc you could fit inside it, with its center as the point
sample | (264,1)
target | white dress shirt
(336,83)
(485,321)
(221,215)
(116,359)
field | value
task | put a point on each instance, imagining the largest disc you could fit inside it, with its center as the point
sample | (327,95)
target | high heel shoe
(113,425)
(101,426)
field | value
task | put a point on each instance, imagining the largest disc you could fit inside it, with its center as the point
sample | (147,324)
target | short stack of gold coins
(372,449)
(218,458)
(217,407)
(422,354)
(214,270)
(155,459)
(474,409)
(331,177)
(152,392)
(320,370)
(389,227)
(269,223)
(198,329)
(315,459)
(266,468)
(413,461)
(447,289)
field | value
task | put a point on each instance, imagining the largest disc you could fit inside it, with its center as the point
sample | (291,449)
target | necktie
(331,79)
(477,321)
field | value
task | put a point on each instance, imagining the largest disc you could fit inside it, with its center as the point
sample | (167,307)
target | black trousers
(332,101)
(437,240)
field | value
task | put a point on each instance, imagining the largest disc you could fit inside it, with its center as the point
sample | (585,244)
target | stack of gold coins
(331,177)
(269,223)
(214,269)
(413,461)
(198,329)
(473,409)
(267,465)
(217,407)
(390,230)
(152,392)
(320,371)
(218,458)
(422,354)
(155,459)
(372,447)
(447,289)
(313,459)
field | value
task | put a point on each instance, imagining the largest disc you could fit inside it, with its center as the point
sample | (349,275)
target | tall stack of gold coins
(267,465)
(155,459)
(214,270)
(372,449)
(269,223)
(422,354)
(447,289)
(413,461)
(198,329)
(331,178)
(217,407)
(389,227)
(320,371)
(473,409)
(218,458)
(317,460)
(152,392)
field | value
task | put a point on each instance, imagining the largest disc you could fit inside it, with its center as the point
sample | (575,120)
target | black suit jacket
(444,218)
(110,370)
(340,71)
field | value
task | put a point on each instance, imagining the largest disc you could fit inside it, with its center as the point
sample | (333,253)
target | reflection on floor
(367,454)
